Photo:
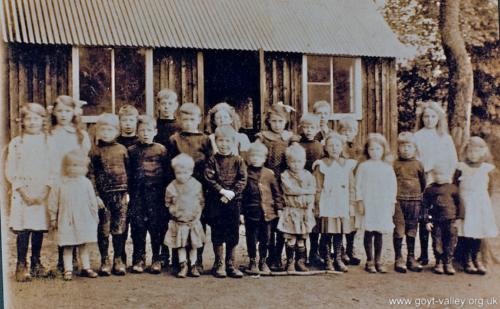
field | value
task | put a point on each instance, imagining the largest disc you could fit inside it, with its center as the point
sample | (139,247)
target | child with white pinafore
(474,185)
(335,198)
(435,147)
(376,189)
(28,171)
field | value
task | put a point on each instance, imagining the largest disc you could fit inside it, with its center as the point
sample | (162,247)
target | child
(108,169)
(226,177)
(434,145)
(184,200)
(28,171)
(441,207)
(277,138)
(376,188)
(166,122)
(224,114)
(411,184)
(348,127)
(263,201)
(323,110)
(128,125)
(66,135)
(309,125)
(474,186)
(297,219)
(191,141)
(73,212)
(149,175)
(334,202)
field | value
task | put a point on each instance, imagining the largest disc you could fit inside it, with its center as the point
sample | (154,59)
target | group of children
(166,178)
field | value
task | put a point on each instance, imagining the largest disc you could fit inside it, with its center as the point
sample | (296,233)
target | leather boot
(252,266)
(424,244)
(22,273)
(476,247)
(263,267)
(290,261)
(379,266)
(411,262)
(353,260)
(219,270)
(37,269)
(399,265)
(337,252)
(300,265)
(231,267)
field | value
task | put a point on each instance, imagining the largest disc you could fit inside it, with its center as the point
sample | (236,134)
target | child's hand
(224,200)
(127,198)
(429,227)
(242,219)
(361,208)
(53,225)
(227,194)
(100,203)
(24,195)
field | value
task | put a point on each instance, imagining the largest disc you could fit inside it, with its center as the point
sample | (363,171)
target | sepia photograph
(250,154)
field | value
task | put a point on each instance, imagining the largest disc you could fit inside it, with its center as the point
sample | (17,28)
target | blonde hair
(108,119)
(476,141)
(382,141)
(77,156)
(309,119)
(190,109)
(128,110)
(348,123)
(183,161)
(442,125)
(295,151)
(146,120)
(76,121)
(320,104)
(166,93)
(35,108)
(336,136)
(225,131)
(222,106)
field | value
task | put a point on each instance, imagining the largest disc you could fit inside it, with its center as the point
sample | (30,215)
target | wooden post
(75,73)
(200,69)
(148,57)
(263,90)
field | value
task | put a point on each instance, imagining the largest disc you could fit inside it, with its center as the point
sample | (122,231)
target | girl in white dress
(28,171)
(435,147)
(65,135)
(474,184)
(334,201)
(73,212)
(376,188)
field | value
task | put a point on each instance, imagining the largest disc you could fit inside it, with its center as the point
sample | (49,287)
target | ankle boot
(424,245)
(314,257)
(118,267)
(231,267)
(469,266)
(343,254)
(328,260)
(263,267)
(183,270)
(379,265)
(438,268)
(399,265)
(37,269)
(411,262)
(476,247)
(219,270)
(368,244)
(301,259)
(290,261)
(337,253)
(22,273)
(353,260)
(252,266)
(199,259)
(105,269)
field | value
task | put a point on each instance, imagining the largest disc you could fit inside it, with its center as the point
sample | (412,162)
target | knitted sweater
(109,164)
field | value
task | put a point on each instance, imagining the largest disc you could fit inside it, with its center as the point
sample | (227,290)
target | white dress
(28,165)
(479,221)
(335,200)
(435,149)
(376,187)
(73,205)
(63,140)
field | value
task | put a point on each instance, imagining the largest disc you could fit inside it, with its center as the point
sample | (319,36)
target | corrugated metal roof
(337,27)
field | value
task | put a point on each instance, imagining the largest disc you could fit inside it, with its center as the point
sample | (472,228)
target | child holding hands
(184,200)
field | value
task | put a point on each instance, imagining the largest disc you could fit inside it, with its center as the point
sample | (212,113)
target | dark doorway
(233,77)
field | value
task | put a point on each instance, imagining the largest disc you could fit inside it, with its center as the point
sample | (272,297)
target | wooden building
(250,53)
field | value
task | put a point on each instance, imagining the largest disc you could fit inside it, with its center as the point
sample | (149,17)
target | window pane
(342,85)
(130,79)
(318,69)
(95,80)
(317,93)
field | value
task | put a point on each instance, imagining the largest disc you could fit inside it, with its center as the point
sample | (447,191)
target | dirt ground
(356,288)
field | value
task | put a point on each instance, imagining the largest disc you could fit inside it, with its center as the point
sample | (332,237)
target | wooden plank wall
(283,82)
(35,74)
(177,70)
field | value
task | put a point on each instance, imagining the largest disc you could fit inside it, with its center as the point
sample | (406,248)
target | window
(333,79)
(108,78)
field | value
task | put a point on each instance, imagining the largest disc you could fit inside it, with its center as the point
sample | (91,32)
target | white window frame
(356,89)
(148,71)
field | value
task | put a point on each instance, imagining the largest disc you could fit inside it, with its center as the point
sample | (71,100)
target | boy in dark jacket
(149,176)
(166,122)
(128,115)
(108,169)
(262,202)
(442,207)
(226,178)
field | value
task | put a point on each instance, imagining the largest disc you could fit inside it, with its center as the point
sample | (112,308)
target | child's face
(349,133)
(430,118)
(256,159)
(128,124)
(64,114)
(32,123)
(182,174)
(224,144)
(296,164)
(324,115)
(277,123)
(167,107)
(146,133)
(407,150)
(375,151)
(107,133)
(310,131)
(190,122)
(222,117)
(334,148)
(75,169)
(475,154)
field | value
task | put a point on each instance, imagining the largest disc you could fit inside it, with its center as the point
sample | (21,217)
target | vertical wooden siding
(35,74)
